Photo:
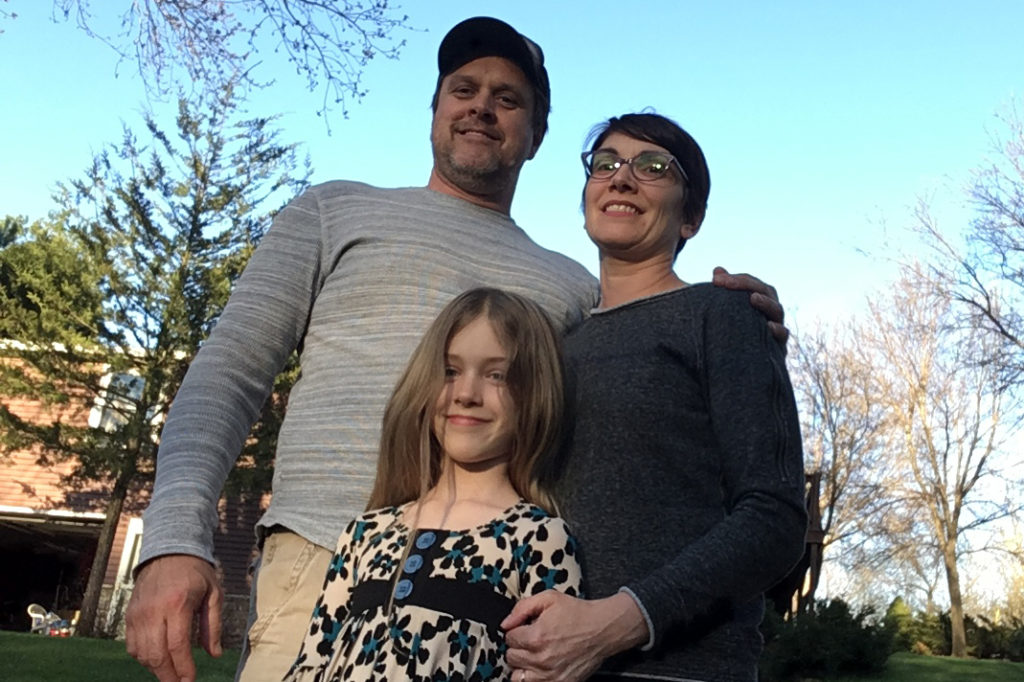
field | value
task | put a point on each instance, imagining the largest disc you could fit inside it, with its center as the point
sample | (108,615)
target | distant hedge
(928,634)
(828,641)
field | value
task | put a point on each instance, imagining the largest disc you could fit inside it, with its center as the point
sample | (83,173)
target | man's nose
(483,106)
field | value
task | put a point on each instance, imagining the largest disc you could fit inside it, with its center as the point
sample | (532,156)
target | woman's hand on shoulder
(553,637)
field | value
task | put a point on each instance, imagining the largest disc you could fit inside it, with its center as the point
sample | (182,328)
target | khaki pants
(289,576)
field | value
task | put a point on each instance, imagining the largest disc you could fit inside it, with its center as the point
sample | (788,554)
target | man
(351,275)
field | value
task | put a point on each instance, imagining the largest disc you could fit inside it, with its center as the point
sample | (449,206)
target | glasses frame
(620,162)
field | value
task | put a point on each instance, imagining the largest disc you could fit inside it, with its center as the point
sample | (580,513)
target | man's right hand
(168,591)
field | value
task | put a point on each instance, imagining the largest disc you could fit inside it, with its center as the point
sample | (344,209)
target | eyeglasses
(646,166)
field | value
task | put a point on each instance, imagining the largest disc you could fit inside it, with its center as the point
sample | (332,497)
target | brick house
(49,533)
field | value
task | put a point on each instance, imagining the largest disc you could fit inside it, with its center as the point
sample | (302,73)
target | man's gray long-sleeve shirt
(351,275)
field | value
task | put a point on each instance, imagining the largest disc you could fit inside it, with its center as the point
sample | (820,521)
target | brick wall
(37,489)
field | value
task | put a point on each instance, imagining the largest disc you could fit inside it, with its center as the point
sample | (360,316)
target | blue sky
(823,122)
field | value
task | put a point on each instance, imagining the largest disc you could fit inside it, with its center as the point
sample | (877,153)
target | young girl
(458,530)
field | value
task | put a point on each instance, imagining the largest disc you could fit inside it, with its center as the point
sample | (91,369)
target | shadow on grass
(30,658)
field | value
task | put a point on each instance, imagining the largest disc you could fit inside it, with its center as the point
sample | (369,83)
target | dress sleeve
(331,610)
(753,417)
(228,381)
(552,562)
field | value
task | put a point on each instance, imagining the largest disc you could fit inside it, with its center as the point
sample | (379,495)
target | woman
(685,480)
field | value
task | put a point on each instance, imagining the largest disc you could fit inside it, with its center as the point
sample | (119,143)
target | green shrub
(919,633)
(930,634)
(1015,645)
(987,639)
(828,641)
(899,619)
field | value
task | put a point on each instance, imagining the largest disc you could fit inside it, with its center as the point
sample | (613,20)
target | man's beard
(488,179)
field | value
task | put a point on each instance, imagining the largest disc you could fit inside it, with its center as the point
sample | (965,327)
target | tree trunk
(91,600)
(958,645)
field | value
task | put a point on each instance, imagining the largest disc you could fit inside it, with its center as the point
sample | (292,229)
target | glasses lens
(603,164)
(651,165)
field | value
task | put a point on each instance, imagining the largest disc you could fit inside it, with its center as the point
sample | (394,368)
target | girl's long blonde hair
(410,456)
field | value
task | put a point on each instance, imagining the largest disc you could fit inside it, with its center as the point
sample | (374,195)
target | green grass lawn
(905,667)
(26,657)
(33,658)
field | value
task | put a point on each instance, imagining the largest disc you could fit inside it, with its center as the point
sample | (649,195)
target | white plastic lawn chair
(41,618)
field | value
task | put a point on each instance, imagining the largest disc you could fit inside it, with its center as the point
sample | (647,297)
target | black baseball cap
(488,37)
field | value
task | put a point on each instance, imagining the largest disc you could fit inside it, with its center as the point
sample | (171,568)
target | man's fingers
(763,297)
(179,648)
(769,307)
(780,333)
(154,655)
(210,623)
(146,639)
(743,282)
(131,638)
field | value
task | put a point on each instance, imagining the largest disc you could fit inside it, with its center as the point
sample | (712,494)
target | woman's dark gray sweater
(685,477)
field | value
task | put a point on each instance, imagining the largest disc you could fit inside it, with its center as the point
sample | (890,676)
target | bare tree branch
(216,42)
(985,274)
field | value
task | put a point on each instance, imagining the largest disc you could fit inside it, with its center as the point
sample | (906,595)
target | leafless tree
(843,427)
(950,414)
